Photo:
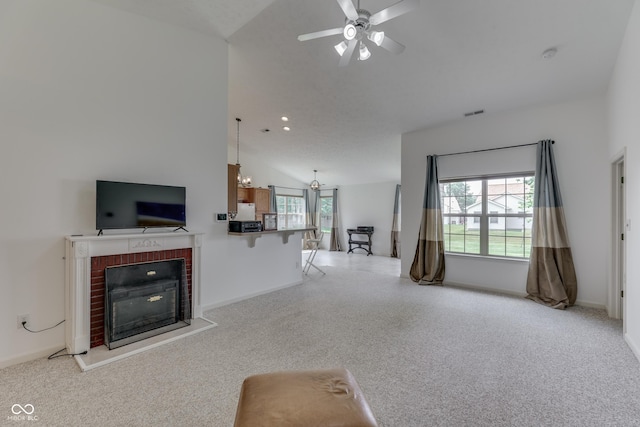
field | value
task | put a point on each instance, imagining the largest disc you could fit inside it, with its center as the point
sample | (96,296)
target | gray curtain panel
(428,262)
(335,234)
(395,226)
(552,277)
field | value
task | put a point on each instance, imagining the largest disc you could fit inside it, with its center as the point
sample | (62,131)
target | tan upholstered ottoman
(303,398)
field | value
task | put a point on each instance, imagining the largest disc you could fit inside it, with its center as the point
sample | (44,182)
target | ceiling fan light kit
(364,52)
(350,32)
(376,36)
(358,28)
(341,48)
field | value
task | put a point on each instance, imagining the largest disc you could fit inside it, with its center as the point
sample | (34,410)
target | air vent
(473,113)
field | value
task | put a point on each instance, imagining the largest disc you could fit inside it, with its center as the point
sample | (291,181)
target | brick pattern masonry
(98,265)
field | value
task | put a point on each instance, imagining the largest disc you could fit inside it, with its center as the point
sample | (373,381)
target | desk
(368,231)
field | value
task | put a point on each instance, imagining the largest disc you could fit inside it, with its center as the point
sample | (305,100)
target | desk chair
(313,243)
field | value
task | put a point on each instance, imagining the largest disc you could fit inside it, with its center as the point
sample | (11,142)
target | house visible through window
(291,211)
(489,216)
(326,213)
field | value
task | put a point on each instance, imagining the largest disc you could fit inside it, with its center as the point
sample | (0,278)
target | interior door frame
(619,228)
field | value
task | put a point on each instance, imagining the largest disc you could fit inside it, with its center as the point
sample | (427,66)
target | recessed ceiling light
(549,53)
(285,118)
(286,128)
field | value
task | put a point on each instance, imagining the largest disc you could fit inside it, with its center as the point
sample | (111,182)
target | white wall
(624,132)
(583,168)
(90,92)
(368,204)
(262,174)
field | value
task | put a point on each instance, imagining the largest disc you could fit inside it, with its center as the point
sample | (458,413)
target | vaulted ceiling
(346,122)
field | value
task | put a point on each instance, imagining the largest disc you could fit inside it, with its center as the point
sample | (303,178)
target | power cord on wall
(56,354)
(24,325)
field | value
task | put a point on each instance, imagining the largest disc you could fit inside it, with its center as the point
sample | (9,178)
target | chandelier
(315,185)
(244,181)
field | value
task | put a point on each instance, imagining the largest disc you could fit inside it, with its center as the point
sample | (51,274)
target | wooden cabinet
(259,196)
(243,195)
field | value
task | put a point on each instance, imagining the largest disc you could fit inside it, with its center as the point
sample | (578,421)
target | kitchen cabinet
(260,197)
(238,194)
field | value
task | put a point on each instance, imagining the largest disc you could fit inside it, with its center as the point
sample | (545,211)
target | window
(489,216)
(291,211)
(326,213)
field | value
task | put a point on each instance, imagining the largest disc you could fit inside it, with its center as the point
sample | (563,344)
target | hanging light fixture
(364,52)
(376,36)
(315,185)
(341,48)
(245,181)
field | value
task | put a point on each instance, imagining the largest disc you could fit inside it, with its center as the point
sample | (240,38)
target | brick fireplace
(87,257)
(98,266)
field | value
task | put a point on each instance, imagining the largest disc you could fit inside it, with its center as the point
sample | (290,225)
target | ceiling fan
(359,26)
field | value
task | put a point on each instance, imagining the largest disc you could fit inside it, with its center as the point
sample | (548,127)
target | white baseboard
(251,295)
(484,289)
(633,346)
(517,294)
(28,357)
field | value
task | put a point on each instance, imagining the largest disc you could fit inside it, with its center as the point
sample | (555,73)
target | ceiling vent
(473,113)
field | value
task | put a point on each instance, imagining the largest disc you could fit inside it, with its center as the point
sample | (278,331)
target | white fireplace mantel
(78,253)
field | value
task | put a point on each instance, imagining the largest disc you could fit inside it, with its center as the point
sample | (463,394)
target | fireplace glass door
(144,300)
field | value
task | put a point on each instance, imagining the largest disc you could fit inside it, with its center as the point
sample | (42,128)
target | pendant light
(244,181)
(315,185)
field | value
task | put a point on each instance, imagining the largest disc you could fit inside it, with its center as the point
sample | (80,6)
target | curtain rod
(489,149)
(286,188)
(293,188)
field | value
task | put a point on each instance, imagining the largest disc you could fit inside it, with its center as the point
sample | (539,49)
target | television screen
(132,205)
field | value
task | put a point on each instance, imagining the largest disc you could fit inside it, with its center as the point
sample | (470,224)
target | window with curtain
(291,211)
(326,213)
(489,215)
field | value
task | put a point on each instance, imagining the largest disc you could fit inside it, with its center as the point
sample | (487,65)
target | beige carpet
(423,356)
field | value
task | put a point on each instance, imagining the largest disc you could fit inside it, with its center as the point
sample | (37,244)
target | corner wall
(623,103)
(367,204)
(582,160)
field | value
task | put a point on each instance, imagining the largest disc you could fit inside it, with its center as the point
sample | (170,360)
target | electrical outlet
(23,318)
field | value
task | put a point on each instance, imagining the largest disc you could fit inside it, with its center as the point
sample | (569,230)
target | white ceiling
(461,56)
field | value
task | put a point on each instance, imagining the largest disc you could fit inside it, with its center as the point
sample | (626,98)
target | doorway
(615,305)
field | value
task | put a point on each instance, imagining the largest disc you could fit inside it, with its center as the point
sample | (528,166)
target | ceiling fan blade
(318,34)
(349,9)
(395,10)
(392,45)
(346,56)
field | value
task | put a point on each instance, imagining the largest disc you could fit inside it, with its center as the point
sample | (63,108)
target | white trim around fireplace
(78,253)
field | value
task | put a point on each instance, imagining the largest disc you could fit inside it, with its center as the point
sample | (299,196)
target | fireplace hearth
(145,299)
(86,259)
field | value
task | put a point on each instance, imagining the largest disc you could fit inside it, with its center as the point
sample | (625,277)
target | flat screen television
(121,205)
